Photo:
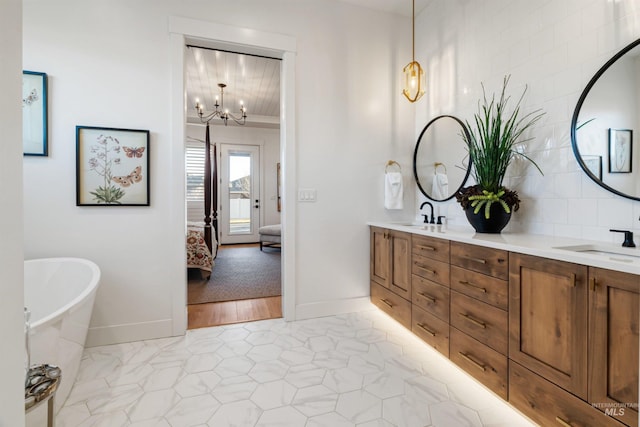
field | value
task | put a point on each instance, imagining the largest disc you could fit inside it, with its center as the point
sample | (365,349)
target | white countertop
(604,255)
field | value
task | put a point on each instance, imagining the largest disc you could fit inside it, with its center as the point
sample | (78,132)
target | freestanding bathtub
(59,293)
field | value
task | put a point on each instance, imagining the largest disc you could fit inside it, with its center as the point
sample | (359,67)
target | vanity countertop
(586,252)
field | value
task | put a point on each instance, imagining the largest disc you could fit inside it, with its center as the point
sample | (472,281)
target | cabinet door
(614,299)
(400,246)
(548,319)
(380,260)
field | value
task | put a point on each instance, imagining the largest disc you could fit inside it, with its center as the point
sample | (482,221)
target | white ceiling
(254,80)
(400,7)
(251,79)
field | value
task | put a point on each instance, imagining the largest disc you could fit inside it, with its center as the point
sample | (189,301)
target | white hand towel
(393,191)
(440,188)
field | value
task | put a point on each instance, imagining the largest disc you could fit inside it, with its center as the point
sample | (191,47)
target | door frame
(242,40)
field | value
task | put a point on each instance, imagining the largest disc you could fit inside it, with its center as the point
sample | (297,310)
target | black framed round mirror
(441,162)
(603,121)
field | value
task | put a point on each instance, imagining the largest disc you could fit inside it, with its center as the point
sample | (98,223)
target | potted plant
(492,144)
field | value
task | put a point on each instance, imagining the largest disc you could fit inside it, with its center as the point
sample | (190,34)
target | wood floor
(224,313)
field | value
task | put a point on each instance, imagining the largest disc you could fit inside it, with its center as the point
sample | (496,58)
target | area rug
(239,273)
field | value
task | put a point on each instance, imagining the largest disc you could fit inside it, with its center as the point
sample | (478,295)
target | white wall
(555,47)
(109,66)
(11,257)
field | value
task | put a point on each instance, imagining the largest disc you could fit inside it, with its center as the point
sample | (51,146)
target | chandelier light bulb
(220,111)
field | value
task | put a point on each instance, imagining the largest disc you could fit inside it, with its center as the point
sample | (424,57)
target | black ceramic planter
(498,219)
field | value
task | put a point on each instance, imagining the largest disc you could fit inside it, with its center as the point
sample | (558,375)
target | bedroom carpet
(241,272)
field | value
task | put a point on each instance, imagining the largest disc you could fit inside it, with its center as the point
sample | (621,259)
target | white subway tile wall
(554,47)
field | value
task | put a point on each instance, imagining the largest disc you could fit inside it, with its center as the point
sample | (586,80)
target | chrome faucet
(432,218)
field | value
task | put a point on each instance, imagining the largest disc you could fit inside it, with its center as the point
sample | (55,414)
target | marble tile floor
(359,369)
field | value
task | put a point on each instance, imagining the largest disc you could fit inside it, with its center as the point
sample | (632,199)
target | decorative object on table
(593,164)
(413,78)
(34,114)
(492,143)
(620,150)
(393,187)
(40,386)
(112,167)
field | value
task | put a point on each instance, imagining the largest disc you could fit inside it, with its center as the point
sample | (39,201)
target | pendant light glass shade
(413,81)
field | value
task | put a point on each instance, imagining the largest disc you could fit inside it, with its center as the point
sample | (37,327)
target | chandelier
(413,74)
(220,111)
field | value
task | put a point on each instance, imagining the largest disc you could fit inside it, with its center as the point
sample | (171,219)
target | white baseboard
(329,308)
(105,335)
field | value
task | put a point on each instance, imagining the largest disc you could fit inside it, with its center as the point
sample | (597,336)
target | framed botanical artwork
(594,164)
(620,150)
(112,167)
(34,114)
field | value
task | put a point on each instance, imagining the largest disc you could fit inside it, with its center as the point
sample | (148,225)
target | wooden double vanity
(553,333)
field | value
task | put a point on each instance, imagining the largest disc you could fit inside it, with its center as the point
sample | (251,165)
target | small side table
(40,386)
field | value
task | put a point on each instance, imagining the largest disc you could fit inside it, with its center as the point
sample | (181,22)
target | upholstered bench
(270,235)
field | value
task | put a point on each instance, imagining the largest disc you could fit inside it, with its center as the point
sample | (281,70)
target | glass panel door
(240,193)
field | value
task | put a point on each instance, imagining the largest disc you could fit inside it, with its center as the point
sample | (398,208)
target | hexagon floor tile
(358,369)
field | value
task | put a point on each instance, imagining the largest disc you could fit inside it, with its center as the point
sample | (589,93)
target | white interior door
(239,190)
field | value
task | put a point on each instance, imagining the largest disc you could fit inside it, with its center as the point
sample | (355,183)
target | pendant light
(413,78)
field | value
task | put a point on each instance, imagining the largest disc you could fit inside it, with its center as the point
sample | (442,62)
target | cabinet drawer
(436,271)
(431,297)
(483,322)
(431,247)
(492,262)
(548,404)
(392,304)
(485,288)
(432,330)
(481,362)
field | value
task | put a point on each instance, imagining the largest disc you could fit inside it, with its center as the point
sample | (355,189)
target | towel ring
(436,164)
(392,163)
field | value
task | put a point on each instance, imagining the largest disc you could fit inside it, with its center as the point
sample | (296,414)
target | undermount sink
(613,253)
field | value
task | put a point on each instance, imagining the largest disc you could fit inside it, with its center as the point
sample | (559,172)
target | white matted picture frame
(620,150)
(112,167)
(594,164)
(34,114)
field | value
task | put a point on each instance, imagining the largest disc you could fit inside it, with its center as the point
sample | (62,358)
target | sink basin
(613,253)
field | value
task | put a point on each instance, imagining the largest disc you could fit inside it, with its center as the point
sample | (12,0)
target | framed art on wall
(594,164)
(34,114)
(620,150)
(112,167)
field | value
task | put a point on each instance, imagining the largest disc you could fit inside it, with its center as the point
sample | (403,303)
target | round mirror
(440,161)
(603,122)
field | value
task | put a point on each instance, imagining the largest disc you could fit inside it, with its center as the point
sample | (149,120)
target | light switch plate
(307,195)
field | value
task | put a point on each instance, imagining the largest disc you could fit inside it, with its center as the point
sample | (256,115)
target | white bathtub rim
(78,300)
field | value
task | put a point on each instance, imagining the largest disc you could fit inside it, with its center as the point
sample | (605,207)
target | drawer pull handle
(427,330)
(474,321)
(478,260)
(473,362)
(563,422)
(426,248)
(480,288)
(387,302)
(427,296)
(422,267)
